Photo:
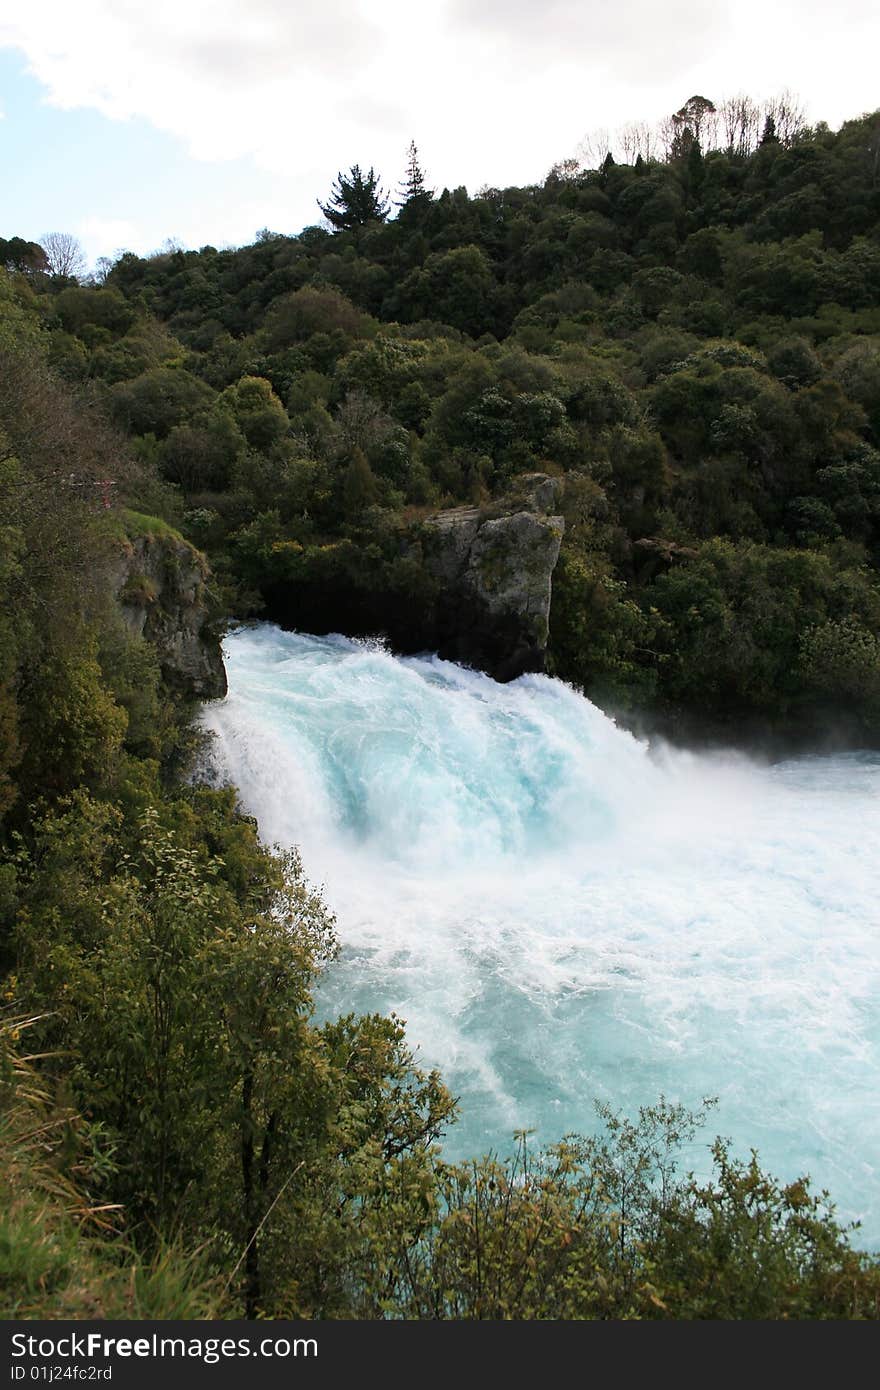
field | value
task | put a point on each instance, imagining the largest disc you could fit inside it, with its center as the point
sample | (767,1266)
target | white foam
(561,916)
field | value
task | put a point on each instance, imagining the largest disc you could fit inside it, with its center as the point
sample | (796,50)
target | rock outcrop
(160,585)
(493,568)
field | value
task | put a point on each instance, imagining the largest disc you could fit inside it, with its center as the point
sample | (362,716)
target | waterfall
(561,915)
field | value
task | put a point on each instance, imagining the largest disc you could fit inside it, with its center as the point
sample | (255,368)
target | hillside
(692,344)
(689,349)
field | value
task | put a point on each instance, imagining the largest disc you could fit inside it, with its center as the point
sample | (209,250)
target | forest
(687,336)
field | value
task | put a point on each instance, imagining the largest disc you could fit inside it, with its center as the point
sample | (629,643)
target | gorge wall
(471,583)
(160,584)
(493,568)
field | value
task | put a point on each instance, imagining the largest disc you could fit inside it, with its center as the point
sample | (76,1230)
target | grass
(139,524)
(60,1257)
(51,1267)
(126,524)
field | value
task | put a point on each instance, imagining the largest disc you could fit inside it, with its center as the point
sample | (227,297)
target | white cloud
(630,38)
(493,91)
(104,236)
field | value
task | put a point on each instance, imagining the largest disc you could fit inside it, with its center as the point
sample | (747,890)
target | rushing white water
(561,916)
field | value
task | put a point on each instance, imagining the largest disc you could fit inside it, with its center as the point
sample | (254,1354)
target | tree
(187,953)
(256,410)
(608,1227)
(563,171)
(64,255)
(741,123)
(455,287)
(769,136)
(414,191)
(355,201)
(695,170)
(359,485)
(25,256)
(690,124)
(157,400)
(594,148)
(297,317)
(787,116)
(103,267)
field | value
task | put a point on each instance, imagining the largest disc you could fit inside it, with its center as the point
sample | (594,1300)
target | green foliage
(83,311)
(745,1246)
(359,486)
(691,350)
(61,1254)
(256,410)
(156,401)
(455,286)
(751,629)
(858,371)
(842,658)
(312,312)
(136,524)
(145,346)
(608,1227)
(175,970)
(600,637)
(201,457)
(73,725)
(698,335)
(26,256)
(355,201)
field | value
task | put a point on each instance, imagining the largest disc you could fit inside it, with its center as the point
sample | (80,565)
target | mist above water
(562,916)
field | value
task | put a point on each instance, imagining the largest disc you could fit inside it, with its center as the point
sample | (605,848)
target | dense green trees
(691,348)
(26,256)
(163,957)
(695,338)
(179,978)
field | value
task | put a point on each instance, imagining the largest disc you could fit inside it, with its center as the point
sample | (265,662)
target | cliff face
(160,585)
(494,569)
(471,583)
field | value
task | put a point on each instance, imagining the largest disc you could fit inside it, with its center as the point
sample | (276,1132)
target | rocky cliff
(493,568)
(160,582)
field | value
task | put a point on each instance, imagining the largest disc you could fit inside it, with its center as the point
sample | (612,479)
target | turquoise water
(561,915)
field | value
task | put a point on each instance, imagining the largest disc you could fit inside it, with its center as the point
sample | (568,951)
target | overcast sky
(127,122)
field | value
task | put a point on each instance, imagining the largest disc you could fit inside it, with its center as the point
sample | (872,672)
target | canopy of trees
(687,336)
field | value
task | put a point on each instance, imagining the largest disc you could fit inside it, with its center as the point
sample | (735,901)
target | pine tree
(769,136)
(414,190)
(355,200)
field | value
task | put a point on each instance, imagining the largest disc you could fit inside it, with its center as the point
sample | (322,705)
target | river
(562,914)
